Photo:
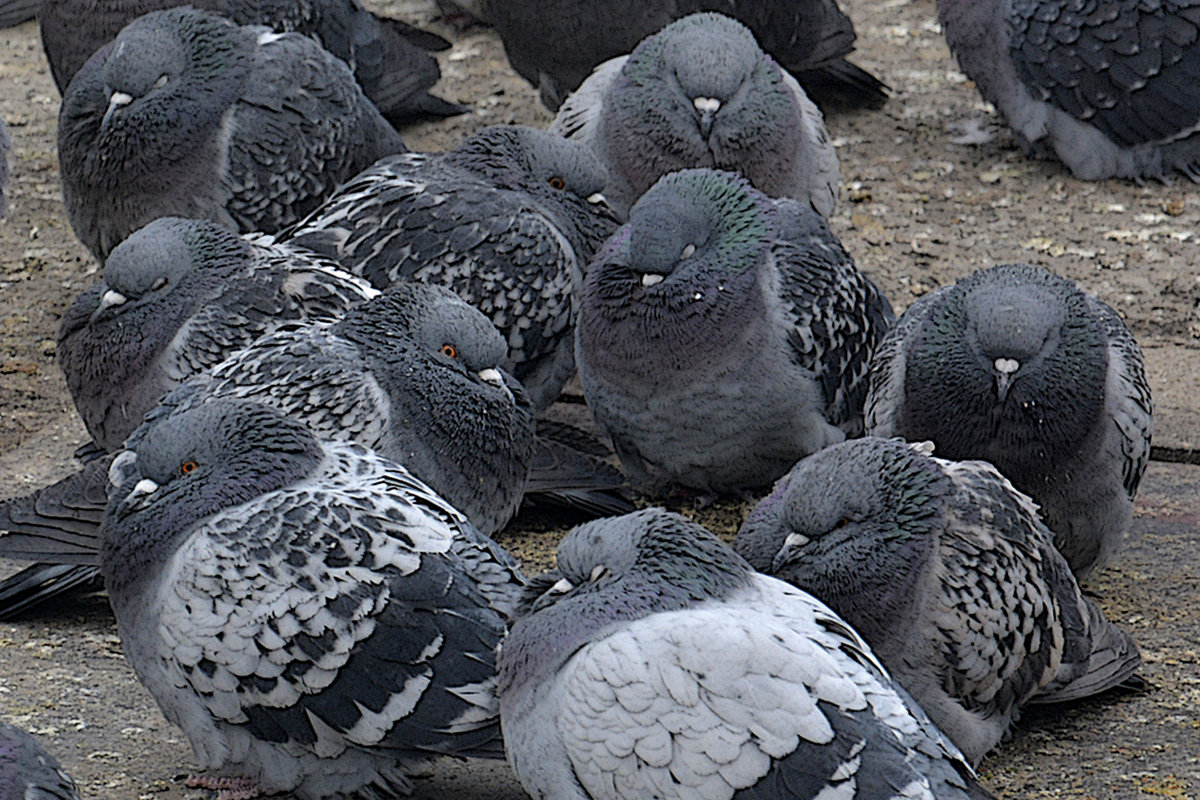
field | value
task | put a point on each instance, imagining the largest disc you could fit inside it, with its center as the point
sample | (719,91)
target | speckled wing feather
(503,256)
(884,400)
(325,629)
(838,315)
(303,125)
(681,705)
(1130,68)
(1070,650)
(1129,402)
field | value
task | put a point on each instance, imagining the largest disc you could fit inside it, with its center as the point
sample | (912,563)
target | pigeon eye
(449,350)
(188,467)
(843,522)
(162,81)
(557,183)
(688,252)
(158,284)
(598,572)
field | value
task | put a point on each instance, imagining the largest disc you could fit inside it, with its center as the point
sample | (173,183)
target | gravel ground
(918,210)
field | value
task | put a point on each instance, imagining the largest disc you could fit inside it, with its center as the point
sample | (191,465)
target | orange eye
(188,466)
(557,182)
(449,350)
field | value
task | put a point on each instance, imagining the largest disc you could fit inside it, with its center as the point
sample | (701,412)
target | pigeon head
(682,272)
(850,524)
(1011,367)
(613,570)
(451,334)
(701,93)
(559,172)
(190,466)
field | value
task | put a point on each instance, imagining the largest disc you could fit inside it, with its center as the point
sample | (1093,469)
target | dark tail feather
(1112,662)
(40,583)
(426,40)
(394,66)
(59,524)
(569,471)
(840,86)
(14,12)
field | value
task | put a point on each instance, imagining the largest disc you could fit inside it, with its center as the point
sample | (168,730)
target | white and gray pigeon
(723,335)
(188,114)
(1019,367)
(314,618)
(507,220)
(178,297)
(702,93)
(555,45)
(656,663)
(391,60)
(948,573)
(28,772)
(1110,89)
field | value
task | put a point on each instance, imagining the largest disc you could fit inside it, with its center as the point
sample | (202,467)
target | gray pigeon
(178,296)
(1110,89)
(413,375)
(187,114)
(948,573)
(555,45)
(390,58)
(723,335)
(1017,366)
(702,93)
(314,618)
(507,219)
(656,663)
(28,772)
(15,12)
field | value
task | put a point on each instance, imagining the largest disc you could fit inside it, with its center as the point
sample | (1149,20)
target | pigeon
(702,93)
(178,296)
(656,663)
(506,219)
(187,114)
(28,772)
(391,60)
(1019,367)
(948,573)
(411,374)
(723,335)
(556,45)
(1110,90)
(314,618)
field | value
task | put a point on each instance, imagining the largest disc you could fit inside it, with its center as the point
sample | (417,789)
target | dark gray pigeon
(314,618)
(390,59)
(15,12)
(1019,367)
(723,335)
(178,296)
(1110,89)
(702,93)
(187,114)
(948,573)
(28,772)
(656,663)
(555,45)
(507,220)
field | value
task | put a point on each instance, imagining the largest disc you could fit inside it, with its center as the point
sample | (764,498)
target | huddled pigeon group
(322,376)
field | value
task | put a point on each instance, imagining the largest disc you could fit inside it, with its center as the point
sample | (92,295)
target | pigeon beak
(1005,372)
(136,498)
(601,204)
(494,377)
(791,544)
(650,279)
(115,100)
(562,586)
(707,107)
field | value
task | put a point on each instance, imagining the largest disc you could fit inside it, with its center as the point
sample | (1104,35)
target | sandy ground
(918,210)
